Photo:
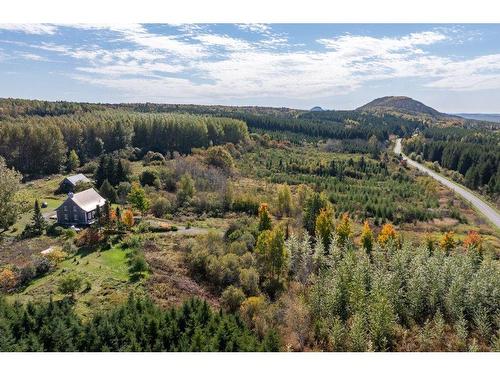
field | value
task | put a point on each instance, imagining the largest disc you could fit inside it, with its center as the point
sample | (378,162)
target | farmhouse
(69,183)
(79,208)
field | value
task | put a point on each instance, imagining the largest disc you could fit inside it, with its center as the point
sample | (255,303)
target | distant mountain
(316,109)
(403,105)
(491,117)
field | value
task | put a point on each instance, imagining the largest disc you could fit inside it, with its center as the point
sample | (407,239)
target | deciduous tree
(137,198)
(264,218)
(325,226)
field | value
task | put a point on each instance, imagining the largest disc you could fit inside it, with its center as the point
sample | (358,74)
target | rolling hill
(402,105)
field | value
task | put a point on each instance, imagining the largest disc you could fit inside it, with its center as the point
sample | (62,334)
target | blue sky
(453,68)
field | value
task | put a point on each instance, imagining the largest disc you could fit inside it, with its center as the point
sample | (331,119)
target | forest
(474,154)
(242,229)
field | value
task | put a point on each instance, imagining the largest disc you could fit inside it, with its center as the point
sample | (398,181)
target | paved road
(480,205)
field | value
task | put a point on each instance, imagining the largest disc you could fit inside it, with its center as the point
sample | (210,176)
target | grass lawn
(18,227)
(106,271)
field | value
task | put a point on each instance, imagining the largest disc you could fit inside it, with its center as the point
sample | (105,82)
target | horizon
(235,105)
(452,68)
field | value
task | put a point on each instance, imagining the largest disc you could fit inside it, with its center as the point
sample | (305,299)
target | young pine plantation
(240,229)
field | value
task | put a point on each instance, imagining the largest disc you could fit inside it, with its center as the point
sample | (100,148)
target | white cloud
(33,57)
(225,41)
(260,28)
(30,28)
(197,64)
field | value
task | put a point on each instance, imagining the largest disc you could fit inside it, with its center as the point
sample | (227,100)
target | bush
(154,158)
(160,207)
(249,281)
(41,265)
(246,204)
(150,177)
(167,179)
(54,230)
(8,280)
(70,284)
(232,298)
(138,264)
(56,256)
(219,157)
(26,274)
(122,191)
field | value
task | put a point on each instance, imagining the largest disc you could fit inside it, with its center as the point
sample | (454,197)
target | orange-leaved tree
(387,233)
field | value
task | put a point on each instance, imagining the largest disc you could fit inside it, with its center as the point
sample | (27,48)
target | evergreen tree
(313,205)
(121,174)
(73,161)
(100,172)
(39,223)
(108,191)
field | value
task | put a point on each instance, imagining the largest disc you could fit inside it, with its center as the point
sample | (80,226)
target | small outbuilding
(80,208)
(69,183)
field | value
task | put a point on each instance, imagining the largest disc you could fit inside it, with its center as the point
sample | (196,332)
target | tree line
(476,156)
(41,145)
(137,325)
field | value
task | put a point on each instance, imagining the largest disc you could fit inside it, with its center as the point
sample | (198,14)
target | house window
(89,215)
(65,208)
(65,216)
(76,217)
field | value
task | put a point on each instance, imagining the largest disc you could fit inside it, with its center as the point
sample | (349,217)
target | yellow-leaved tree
(367,238)
(325,226)
(386,234)
(264,217)
(344,230)
(447,242)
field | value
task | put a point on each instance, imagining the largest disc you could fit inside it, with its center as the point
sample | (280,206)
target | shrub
(56,256)
(122,191)
(185,189)
(232,298)
(54,230)
(219,157)
(69,285)
(246,204)
(160,207)
(150,177)
(138,264)
(249,281)
(8,280)
(41,265)
(153,158)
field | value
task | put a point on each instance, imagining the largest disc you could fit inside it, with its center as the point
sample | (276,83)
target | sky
(453,68)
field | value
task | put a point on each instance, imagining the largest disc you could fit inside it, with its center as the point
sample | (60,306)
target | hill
(316,109)
(403,105)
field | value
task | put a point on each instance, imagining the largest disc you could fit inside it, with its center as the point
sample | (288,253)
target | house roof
(87,200)
(77,178)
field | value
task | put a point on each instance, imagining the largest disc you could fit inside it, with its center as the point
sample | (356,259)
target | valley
(267,229)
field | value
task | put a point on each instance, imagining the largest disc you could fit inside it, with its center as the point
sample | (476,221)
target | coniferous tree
(39,223)
(108,191)
(73,161)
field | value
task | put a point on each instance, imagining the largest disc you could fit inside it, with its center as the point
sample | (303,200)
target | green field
(106,271)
